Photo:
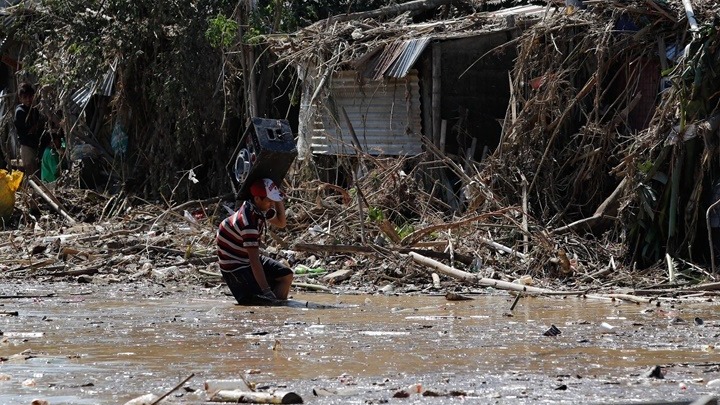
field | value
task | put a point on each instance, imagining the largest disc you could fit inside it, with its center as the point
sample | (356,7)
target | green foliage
(404,230)
(166,81)
(375,214)
(645,166)
(221,31)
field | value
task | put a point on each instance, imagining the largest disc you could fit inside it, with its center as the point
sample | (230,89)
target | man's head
(264,192)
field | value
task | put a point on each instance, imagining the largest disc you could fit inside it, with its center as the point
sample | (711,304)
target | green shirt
(49,165)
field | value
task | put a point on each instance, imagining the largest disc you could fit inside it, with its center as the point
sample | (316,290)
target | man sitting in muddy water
(252,278)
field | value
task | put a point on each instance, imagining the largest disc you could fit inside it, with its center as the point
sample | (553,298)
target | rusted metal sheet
(385,115)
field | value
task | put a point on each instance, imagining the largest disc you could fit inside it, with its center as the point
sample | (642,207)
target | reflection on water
(114,348)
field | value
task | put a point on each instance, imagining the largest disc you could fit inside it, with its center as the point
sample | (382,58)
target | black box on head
(268,150)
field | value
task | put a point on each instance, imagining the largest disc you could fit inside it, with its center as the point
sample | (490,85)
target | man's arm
(279,219)
(257,269)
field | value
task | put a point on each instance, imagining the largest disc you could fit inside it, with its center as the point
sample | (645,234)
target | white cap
(266,188)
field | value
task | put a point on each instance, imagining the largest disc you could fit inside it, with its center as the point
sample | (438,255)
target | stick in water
(174,389)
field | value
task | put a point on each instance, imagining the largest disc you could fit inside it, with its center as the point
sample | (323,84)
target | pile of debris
(367,238)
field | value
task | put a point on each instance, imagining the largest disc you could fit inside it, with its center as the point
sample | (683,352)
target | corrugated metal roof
(398,58)
(385,115)
(104,87)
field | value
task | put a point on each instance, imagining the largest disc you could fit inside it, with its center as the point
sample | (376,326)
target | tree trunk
(416,5)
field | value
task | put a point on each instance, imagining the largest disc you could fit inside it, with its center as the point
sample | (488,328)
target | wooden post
(470,154)
(526,231)
(443,135)
(427,112)
(436,93)
(358,150)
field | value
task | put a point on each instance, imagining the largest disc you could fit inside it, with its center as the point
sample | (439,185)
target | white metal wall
(385,115)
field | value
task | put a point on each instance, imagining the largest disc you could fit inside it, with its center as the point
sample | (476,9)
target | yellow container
(9,183)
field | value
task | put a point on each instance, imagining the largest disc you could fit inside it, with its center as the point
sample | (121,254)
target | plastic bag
(9,183)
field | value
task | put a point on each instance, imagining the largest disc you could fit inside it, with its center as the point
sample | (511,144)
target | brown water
(118,343)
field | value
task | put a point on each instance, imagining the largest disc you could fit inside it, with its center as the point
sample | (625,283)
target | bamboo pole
(310,247)
(55,205)
(246,397)
(469,277)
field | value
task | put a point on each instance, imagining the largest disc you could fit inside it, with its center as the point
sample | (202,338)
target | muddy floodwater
(89,344)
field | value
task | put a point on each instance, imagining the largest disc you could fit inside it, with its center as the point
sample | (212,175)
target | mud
(91,344)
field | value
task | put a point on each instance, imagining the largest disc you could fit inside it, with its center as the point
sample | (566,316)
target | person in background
(50,162)
(248,274)
(29,127)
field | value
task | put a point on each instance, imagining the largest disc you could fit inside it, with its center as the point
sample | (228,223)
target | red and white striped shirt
(238,232)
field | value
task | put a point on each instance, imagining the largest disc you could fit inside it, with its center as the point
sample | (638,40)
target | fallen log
(311,247)
(394,9)
(469,277)
(247,397)
(702,287)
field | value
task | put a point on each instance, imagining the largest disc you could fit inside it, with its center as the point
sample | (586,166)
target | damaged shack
(392,82)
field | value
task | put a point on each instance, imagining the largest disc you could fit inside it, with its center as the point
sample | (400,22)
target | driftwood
(175,388)
(314,287)
(7,297)
(250,397)
(469,277)
(309,247)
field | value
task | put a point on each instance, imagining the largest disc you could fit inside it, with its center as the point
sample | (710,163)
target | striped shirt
(238,232)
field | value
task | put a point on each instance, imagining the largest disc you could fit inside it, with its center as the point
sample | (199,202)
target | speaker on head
(268,150)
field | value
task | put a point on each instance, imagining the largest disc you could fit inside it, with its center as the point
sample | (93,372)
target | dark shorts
(243,285)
